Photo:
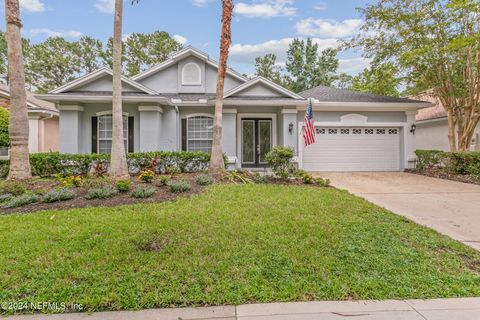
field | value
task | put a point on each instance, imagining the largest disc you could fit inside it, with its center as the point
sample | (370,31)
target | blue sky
(259,26)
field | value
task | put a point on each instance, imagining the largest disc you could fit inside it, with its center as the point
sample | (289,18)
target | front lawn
(232,244)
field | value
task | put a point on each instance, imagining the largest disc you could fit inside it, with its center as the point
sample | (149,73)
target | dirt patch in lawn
(79,201)
(442,174)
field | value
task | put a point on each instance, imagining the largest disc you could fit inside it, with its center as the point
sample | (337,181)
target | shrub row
(51,163)
(466,163)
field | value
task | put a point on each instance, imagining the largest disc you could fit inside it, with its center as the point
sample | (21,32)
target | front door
(256,141)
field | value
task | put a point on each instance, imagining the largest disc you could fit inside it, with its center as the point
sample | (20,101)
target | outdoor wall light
(413,128)
(290,128)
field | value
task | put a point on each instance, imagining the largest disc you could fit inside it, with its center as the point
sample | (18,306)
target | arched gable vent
(191,74)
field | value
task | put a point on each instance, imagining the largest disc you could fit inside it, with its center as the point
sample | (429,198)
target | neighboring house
(432,128)
(171,106)
(42,119)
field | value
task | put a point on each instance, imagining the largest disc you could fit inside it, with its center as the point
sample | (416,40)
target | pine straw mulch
(442,174)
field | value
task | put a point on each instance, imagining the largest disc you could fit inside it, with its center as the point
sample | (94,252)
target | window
(392,131)
(320,130)
(332,131)
(380,131)
(199,133)
(368,131)
(105,127)
(344,131)
(191,74)
(357,131)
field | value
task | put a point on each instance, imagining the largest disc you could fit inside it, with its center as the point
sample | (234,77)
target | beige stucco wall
(434,136)
(50,135)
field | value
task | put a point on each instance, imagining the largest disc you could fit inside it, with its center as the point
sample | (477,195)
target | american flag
(309,131)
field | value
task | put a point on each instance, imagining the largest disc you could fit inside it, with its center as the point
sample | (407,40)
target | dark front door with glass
(256,141)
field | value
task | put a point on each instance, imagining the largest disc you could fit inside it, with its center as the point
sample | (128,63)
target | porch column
(289,123)
(229,136)
(70,128)
(33,133)
(409,141)
(150,127)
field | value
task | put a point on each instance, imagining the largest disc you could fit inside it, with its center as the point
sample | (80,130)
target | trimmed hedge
(465,163)
(51,163)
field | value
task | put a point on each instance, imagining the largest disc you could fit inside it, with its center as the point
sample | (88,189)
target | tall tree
(217,165)
(343,81)
(436,44)
(307,68)
(266,67)
(89,51)
(379,79)
(118,160)
(18,128)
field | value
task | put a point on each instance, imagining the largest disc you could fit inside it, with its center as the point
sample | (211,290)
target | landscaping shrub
(146,176)
(101,193)
(50,163)
(5,197)
(163,180)
(57,195)
(124,185)
(280,160)
(179,186)
(204,180)
(259,178)
(22,200)
(322,182)
(172,170)
(11,187)
(143,191)
(4,121)
(464,163)
(70,181)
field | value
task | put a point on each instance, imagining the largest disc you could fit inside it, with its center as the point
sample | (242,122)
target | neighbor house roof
(329,94)
(432,113)
(32,102)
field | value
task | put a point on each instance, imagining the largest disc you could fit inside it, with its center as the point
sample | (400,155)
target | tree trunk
(118,161)
(18,127)
(217,165)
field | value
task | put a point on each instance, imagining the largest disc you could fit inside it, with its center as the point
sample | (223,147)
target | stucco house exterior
(171,105)
(42,119)
(432,128)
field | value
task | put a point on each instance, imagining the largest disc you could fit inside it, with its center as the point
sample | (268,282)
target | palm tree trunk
(18,127)
(217,165)
(118,161)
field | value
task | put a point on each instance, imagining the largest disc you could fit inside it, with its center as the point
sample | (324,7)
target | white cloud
(52,33)
(353,66)
(105,6)
(328,28)
(246,53)
(201,3)
(266,9)
(320,6)
(180,39)
(32,5)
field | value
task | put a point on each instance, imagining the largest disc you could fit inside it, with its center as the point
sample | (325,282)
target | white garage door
(353,149)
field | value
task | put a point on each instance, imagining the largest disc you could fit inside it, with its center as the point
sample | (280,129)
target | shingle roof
(435,112)
(31,100)
(329,94)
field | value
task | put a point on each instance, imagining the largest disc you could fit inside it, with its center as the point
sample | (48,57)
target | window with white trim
(104,128)
(191,74)
(199,133)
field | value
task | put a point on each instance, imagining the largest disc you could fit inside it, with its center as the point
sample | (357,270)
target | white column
(289,123)
(409,141)
(70,128)
(150,128)
(33,134)
(229,137)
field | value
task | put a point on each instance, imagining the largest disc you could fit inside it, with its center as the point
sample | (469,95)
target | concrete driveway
(451,208)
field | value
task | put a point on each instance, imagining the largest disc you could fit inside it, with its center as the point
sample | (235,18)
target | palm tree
(217,165)
(118,160)
(18,127)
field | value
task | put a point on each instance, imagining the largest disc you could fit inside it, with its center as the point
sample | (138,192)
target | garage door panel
(371,149)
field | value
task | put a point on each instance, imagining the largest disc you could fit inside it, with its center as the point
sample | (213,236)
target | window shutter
(94,134)
(130,135)
(184,134)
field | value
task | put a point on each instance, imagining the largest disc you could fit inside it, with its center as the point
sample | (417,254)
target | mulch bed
(442,174)
(162,194)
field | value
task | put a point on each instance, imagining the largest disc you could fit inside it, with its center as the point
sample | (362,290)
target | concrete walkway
(436,309)
(450,207)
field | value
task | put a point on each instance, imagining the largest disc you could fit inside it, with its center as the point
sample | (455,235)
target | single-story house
(42,119)
(432,128)
(170,107)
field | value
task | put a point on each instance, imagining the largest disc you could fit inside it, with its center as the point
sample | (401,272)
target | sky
(258,27)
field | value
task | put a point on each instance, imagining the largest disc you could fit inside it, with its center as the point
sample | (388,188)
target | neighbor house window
(191,74)
(199,133)
(105,127)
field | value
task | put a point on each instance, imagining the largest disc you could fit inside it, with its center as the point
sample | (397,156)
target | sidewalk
(436,309)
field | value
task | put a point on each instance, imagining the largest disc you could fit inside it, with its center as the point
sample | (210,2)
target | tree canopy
(379,79)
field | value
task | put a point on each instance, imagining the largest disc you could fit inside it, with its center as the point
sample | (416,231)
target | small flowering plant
(146,176)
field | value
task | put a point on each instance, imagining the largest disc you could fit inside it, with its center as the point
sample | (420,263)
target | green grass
(232,244)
